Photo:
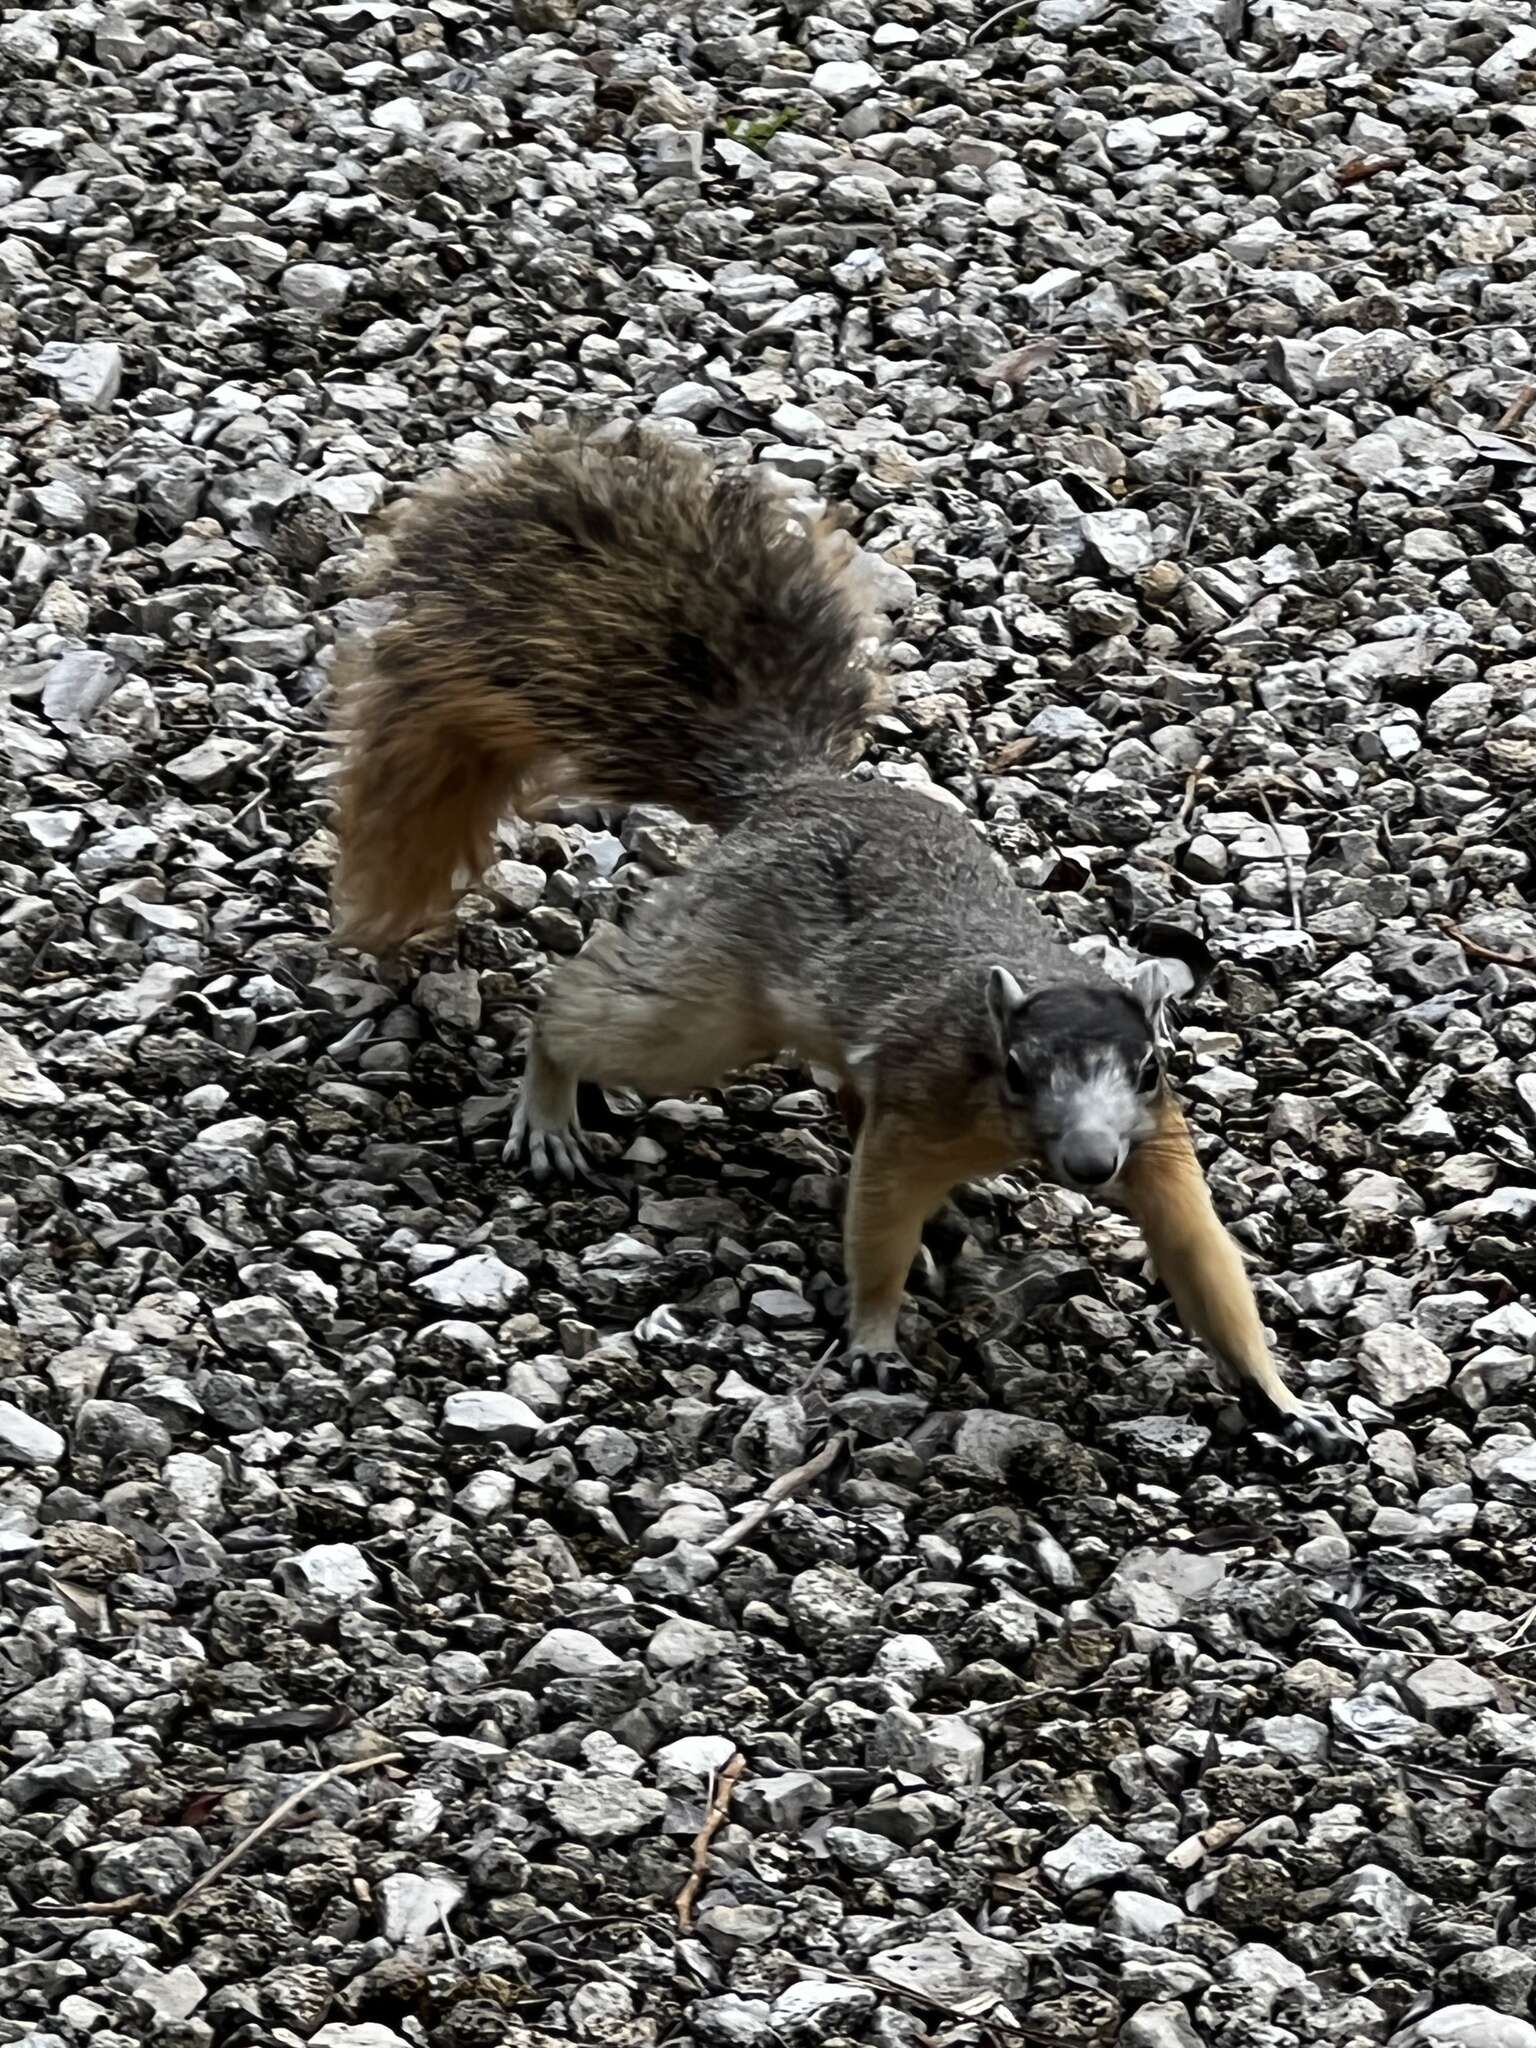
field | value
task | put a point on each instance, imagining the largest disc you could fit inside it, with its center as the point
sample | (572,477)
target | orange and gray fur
(618,619)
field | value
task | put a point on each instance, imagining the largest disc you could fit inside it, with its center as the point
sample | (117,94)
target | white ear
(1156,984)
(1004,1000)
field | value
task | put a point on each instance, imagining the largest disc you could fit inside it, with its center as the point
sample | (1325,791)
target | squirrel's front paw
(1313,1435)
(545,1152)
(886,1371)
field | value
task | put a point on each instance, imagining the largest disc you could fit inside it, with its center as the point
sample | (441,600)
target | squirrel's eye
(1149,1076)
(1016,1075)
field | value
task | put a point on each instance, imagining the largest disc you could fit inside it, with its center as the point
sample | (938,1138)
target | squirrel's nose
(1090,1160)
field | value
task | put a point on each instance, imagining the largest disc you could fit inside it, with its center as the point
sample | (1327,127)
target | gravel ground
(1175,363)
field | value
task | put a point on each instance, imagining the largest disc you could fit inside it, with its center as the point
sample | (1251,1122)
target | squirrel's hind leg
(667,1008)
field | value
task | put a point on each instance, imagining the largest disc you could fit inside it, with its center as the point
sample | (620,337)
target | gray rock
(1444,1690)
(318,288)
(955,1966)
(602,1809)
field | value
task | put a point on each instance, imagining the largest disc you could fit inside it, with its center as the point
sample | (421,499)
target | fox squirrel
(616,618)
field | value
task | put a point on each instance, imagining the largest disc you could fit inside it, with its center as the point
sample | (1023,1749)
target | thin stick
(714,1820)
(1287,863)
(781,1489)
(1196,776)
(275,1819)
(1454,931)
(94,1909)
(976,34)
(1517,409)
(264,787)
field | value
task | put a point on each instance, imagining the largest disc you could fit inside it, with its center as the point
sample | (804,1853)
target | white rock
(954,1967)
(29,44)
(567,1653)
(1467,2026)
(1445,1687)
(1122,539)
(845,84)
(487,1496)
(197,1483)
(1159,2026)
(1132,141)
(488,1417)
(1380,1894)
(686,402)
(26,1441)
(335,1574)
(680,1642)
(480,1281)
(1140,1917)
(399,117)
(911,1662)
(88,373)
(1092,1856)
(692,1760)
(1155,1587)
(452,998)
(169,1996)
(413,1908)
(208,766)
(319,288)
(77,686)
(1396,1363)
(22,1084)
(515,884)
(356,2034)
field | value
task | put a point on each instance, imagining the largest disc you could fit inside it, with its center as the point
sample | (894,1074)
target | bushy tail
(610,619)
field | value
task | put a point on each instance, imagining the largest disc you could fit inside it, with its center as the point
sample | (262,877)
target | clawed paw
(546,1154)
(1319,1435)
(887,1372)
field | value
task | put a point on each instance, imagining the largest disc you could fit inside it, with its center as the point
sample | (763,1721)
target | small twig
(264,787)
(976,34)
(714,1820)
(1291,882)
(781,1489)
(275,1819)
(1516,410)
(1479,952)
(448,1933)
(1197,775)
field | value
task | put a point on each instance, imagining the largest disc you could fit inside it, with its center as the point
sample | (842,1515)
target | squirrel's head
(1080,1064)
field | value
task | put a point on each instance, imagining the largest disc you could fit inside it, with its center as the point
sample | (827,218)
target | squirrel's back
(615,619)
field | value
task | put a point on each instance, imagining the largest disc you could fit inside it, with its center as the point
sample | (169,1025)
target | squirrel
(616,618)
